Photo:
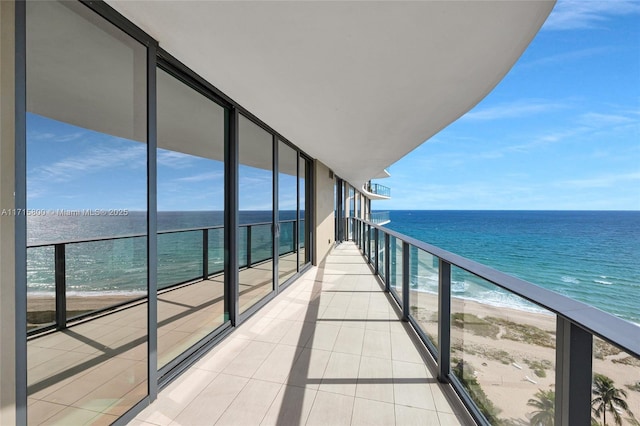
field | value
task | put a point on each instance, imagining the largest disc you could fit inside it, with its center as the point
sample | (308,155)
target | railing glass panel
(376,188)
(179,257)
(216,251)
(615,397)
(287,241)
(372,245)
(41,298)
(424,292)
(112,271)
(261,243)
(502,350)
(395,268)
(242,247)
(381,255)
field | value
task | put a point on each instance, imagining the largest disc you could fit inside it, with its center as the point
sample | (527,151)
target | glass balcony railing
(514,352)
(379,217)
(376,188)
(96,267)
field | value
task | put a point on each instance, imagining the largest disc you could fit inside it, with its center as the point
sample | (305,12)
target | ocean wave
(570,279)
(495,298)
(459,286)
(602,282)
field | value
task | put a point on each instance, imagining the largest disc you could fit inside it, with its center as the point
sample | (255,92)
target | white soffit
(355,84)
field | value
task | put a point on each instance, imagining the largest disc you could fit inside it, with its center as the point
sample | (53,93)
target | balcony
(376,191)
(332,349)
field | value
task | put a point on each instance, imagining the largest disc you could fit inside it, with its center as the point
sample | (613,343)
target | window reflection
(87,238)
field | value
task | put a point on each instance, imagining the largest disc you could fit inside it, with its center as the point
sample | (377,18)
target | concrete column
(7,224)
(324,218)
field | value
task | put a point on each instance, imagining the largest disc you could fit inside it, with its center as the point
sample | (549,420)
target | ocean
(590,256)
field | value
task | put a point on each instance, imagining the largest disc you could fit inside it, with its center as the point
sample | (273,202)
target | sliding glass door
(287,212)
(255,199)
(190,194)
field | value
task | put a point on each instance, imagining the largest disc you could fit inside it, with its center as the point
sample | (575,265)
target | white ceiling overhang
(355,84)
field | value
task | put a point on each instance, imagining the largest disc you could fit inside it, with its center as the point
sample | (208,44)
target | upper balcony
(375,191)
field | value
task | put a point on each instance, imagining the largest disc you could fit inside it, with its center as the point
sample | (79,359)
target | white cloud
(174,160)
(602,181)
(94,160)
(521,108)
(566,56)
(596,119)
(36,135)
(581,14)
(202,177)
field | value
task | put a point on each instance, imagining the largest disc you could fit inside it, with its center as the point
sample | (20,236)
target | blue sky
(560,132)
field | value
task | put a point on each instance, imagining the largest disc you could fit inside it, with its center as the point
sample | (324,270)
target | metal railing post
(392,262)
(405,281)
(573,374)
(368,227)
(387,261)
(61,286)
(248,246)
(444,320)
(205,254)
(354,232)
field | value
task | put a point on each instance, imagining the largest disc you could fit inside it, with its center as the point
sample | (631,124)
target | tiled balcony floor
(329,350)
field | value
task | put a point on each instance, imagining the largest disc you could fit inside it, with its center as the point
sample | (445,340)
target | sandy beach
(511,354)
(41,309)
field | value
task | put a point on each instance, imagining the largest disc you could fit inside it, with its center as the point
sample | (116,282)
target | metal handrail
(626,335)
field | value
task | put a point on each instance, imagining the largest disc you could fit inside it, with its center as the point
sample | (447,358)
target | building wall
(7,227)
(324,216)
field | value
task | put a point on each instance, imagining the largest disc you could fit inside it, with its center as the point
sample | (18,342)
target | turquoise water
(590,256)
